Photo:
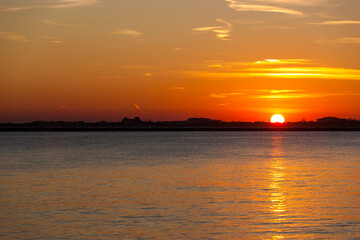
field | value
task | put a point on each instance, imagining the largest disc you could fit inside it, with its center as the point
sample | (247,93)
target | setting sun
(277,118)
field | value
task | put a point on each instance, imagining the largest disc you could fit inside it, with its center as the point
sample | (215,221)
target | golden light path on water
(278,195)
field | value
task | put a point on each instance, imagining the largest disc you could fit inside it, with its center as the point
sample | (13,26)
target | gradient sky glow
(235,60)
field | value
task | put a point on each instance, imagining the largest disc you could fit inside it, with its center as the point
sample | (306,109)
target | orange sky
(235,60)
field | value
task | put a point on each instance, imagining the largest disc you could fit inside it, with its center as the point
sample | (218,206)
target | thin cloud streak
(277,94)
(244,6)
(14,9)
(136,67)
(296,2)
(225,95)
(177,88)
(128,32)
(348,40)
(73,3)
(50,40)
(13,36)
(343,40)
(280,61)
(222,32)
(56,4)
(280,68)
(56,23)
(341,22)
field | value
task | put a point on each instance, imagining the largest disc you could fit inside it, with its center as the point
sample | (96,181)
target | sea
(180,185)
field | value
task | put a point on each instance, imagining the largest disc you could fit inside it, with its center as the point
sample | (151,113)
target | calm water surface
(180,185)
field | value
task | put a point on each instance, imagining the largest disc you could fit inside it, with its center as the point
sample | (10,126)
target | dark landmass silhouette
(191,124)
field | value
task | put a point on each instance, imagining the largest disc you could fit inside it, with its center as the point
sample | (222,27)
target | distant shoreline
(191,124)
(184,129)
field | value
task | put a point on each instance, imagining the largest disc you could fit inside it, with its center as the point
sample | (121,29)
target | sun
(277,118)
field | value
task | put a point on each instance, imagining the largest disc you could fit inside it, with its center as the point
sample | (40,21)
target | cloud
(14,9)
(177,88)
(247,22)
(301,95)
(249,6)
(341,22)
(50,40)
(56,23)
(260,63)
(343,40)
(215,66)
(225,95)
(34,4)
(280,68)
(135,67)
(348,40)
(261,93)
(73,3)
(13,36)
(280,61)
(222,32)
(111,78)
(255,93)
(296,2)
(128,32)
(278,94)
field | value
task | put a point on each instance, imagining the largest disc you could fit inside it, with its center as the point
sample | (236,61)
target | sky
(231,60)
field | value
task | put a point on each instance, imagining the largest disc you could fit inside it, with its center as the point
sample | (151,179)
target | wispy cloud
(177,88)
(251,6)
(50,40)
(278,94)
(296,2)
(56,23)
(280,68)
(73,3)
(343,40)
(14,9)
(348,40)
(32,4)
(247,22)
(215,66)
(257,93)
(225,95)
(258,64)
(222,32)
(111,78)
(13,36)
(341,22)
(135,67)
(127,32)
(280,61)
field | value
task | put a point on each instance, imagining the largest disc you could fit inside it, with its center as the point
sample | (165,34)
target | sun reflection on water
(277,183)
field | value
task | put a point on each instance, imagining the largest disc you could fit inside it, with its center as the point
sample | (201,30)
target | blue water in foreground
(180,185)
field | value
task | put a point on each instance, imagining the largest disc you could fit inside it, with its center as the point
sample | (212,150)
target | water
(180,185)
